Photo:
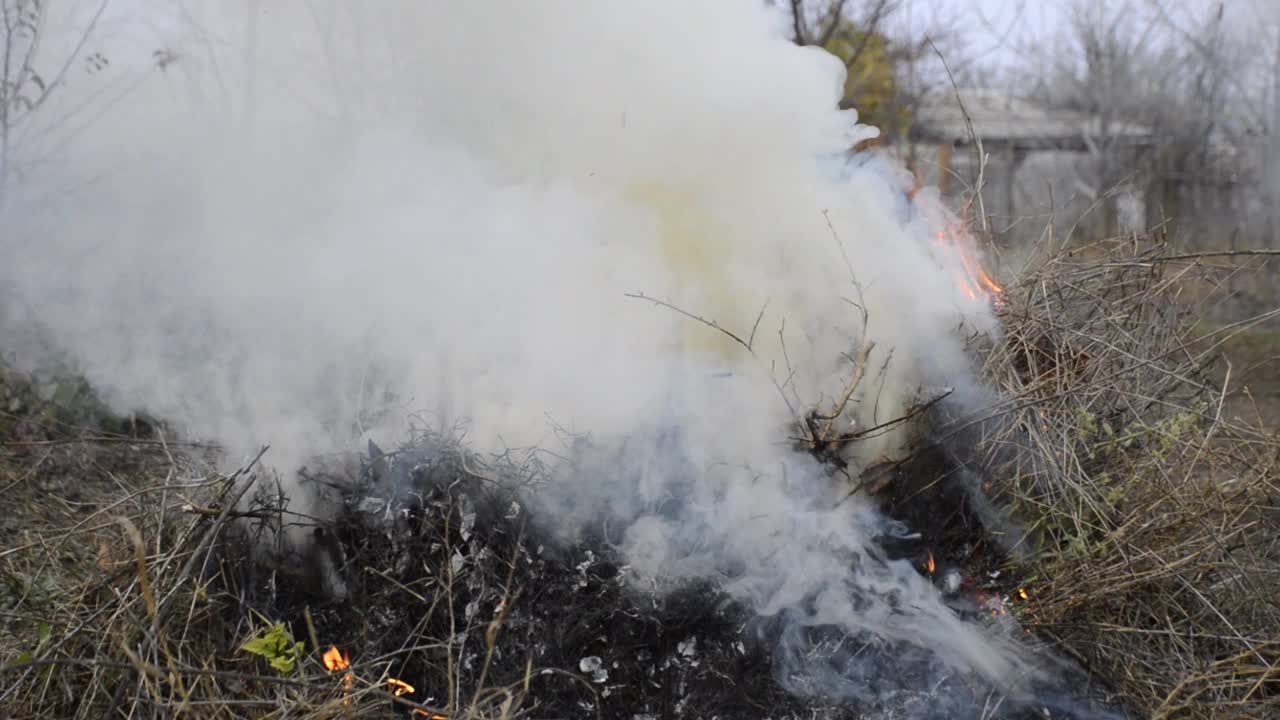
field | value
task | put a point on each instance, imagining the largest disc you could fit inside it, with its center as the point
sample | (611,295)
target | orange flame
(929,564)
(963,259)
(399,687)
(335,659)
(972,279)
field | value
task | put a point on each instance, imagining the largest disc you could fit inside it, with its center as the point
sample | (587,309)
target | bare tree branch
(868,31)
(833,22)
(698,318)
(797,23)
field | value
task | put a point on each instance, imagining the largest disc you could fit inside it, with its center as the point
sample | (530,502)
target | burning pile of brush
(1104,507)
(740,496)
(440,589)
(454,600)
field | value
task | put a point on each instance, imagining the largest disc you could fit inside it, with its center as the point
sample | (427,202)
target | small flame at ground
(929,564)
(335,659)
(399,687)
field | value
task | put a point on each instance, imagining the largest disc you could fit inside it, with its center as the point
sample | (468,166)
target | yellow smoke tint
(695,248)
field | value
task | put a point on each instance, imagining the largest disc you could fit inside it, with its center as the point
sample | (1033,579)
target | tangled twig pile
(1154,513)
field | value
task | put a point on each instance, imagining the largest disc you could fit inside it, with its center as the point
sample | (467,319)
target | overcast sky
(996,29)
(1000,35)
(1002,23)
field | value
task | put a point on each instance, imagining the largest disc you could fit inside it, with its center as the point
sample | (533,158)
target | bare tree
(25,85)
(888,52)
(817,23)
(1139,68)
(1237,47)
(21,87)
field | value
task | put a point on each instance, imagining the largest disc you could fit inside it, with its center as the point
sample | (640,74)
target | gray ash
(437,555)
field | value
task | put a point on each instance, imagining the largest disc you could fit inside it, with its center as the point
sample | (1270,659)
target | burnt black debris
(428,566)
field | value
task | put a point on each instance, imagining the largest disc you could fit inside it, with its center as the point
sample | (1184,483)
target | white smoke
(453,200)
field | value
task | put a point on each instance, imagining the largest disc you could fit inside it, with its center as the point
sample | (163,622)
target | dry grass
(1154,514)
(111,605)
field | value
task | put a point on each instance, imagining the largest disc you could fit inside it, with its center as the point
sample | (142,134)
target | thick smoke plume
(321,218)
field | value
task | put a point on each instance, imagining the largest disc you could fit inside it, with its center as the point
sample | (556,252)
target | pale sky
(993,29)
(1000,24)
(989,33)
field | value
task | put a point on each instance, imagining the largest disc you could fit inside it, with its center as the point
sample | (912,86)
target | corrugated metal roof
(1001,118)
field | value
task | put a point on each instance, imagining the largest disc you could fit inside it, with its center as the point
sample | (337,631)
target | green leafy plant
(277,646)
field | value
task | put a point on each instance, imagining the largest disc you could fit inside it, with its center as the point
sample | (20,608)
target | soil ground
(1255,367)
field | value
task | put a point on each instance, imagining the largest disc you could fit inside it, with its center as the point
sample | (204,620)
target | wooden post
(944,168)
(1010,170)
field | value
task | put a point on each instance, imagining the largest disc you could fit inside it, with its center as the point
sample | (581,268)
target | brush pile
(1151,546)
(433,578)
(1141,540)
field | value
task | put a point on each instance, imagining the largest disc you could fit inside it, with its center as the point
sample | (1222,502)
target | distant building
(1042,163)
